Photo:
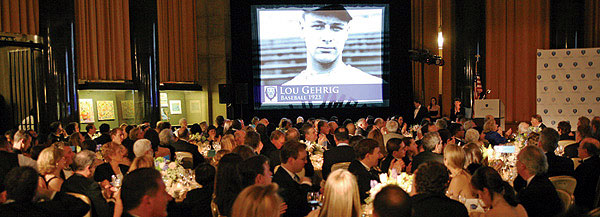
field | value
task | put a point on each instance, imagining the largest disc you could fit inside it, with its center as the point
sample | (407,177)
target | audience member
(587,173)
(396,150)
(244,151)
(340,196)
(81,182)
(432,146)
(564,129)
(197,201)
(430,183)
(113,155)
(532,167)
(293,188)
(145,161)
(473,157)
(21,184)
(143,194)
(497,195)
(277,139)
(91,131)
(392,201)
(343,152)
(376,135)
(454,159)
(252,139)
(104,135)
(182,145)
(50,163)
(255,170)
(536,121)
(493,134)
(257,201)
(583,131)
(368,155)
(228,182)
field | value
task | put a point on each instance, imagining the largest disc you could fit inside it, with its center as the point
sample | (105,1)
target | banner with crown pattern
(568,85)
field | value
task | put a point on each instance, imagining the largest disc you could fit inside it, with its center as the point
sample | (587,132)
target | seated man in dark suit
(81,182)
(557,165)
(564,129)
(432,146)
(197,201)
(341,153)
(293,189)
(368,155)
(143,194)
(21,185)
(583,131)
(91,131)
(587,173)
(184,146)
(277,139)
(430,182)
(392,201)
(539,197)
(104,134)
(396,151)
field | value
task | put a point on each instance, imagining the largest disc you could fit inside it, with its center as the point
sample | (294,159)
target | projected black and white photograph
(324,53)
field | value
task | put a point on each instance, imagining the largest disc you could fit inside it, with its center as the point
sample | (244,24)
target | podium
(484,107)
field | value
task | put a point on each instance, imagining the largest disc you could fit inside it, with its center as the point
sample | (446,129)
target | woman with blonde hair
(257,201)
(493,134)
(50,162)
(141,162)
(228,142)
(473,157)
(454,159)
(114,156)
(340,196)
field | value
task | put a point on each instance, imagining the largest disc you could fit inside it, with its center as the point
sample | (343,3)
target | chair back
(566,199)
(576,162)
(594,212)
(85,199)
(214,208)
(341,165)
(566,183)
(564,143)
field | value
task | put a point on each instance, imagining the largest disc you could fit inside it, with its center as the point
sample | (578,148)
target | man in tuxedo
(22,186)
(341,153)
(392,201)
(184,146)
(587,173)
(143,194)
(324,131)
(564,129)
(536,121)
(392,131)
(11,160)
(396,151)
(277,139)
(419,113)
(583,131)
(293,188)
(432,146)
(91,131)
(368,155)
(81,183)
(539,197)
(104,135)
(430,183)
(557,165)
(255,171)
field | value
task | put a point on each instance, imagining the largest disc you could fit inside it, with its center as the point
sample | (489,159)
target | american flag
(478,88)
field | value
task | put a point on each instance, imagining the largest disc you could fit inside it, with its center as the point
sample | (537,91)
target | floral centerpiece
(177,179)
(316,154)
(197,138)
(403,180)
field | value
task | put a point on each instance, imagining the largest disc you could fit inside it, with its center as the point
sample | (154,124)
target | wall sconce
(440,40)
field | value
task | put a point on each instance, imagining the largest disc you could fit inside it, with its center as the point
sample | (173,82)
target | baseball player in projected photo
(325,31)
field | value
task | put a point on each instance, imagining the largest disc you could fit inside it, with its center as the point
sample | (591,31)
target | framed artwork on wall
(175,106)
(86,110)
(106,110)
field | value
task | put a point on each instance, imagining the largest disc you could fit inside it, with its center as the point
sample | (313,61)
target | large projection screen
(320,54)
